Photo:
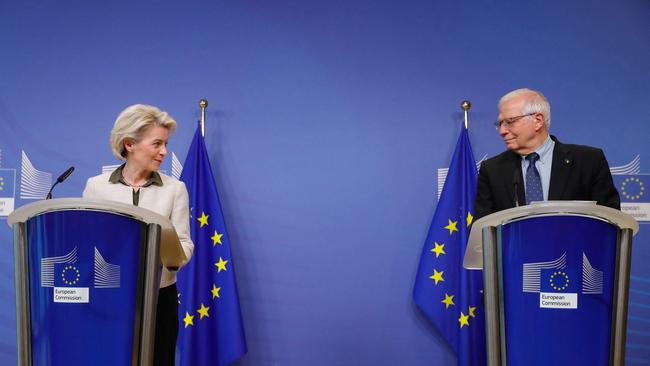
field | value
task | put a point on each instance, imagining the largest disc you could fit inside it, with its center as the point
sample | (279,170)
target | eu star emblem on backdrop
(211,328)
(449,295)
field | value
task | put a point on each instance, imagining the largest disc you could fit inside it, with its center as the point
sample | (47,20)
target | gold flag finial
(466,105)
(203,103)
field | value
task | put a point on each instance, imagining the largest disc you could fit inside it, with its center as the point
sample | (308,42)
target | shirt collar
(117,177)
(544,151)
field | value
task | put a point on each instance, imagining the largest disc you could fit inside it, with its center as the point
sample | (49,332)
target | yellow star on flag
(203,219)
(221,265)
(451,226)
(470,218)
(189,319)
(438,249)
(203,311)
(463,320)
(216,238)
(471,311)
(437,276)
(448,301)
(215,291)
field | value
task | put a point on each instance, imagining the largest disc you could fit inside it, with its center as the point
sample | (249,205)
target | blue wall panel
(327,123)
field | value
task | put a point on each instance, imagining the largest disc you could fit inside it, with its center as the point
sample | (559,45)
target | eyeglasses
(510,121)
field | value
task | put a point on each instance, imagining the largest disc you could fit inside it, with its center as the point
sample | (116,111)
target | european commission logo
(109,168)
(633,187)
(71,278)
(34,183)
(177,167)
(558,285)
(442,175)
(7,191)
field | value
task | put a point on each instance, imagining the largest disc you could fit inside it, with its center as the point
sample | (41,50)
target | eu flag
(632,188)
(211,329)
(449,295)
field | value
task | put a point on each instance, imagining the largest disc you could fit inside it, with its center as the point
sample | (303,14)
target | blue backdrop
(327,124)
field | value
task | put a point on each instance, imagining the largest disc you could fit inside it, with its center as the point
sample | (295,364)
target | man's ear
(539,121)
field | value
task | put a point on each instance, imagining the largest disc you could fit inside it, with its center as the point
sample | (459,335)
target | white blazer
(170,200)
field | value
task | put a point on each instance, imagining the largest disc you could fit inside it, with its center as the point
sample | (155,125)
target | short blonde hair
(133,122)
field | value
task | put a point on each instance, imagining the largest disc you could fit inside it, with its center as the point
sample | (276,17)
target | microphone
(515,183)
(60,179)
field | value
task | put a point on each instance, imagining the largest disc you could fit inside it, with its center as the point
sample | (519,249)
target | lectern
(87,274)
(556,278)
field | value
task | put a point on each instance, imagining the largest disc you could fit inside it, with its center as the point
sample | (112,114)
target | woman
(139,137)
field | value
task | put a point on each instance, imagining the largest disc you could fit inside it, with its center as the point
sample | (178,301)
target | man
(536,166)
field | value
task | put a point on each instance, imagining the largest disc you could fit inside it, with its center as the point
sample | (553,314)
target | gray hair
(535,102)
(133,122)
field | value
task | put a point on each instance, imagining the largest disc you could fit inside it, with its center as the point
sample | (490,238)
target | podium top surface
(171,251)
(26,212)
(474,252)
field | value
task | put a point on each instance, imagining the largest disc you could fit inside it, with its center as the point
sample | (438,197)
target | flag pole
(454,307)
(203,103)
(466,105)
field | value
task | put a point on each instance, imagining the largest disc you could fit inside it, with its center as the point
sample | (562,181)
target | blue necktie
(533,181)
